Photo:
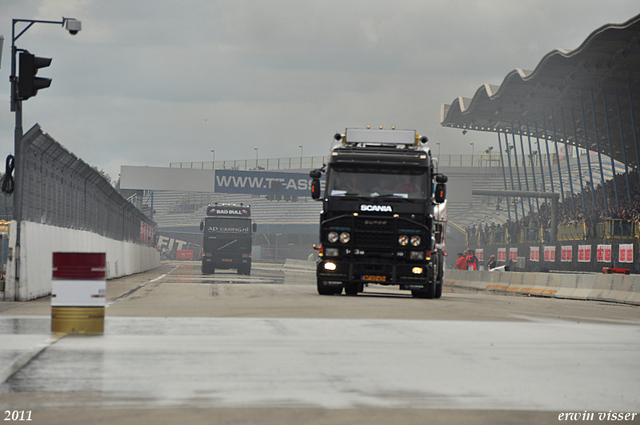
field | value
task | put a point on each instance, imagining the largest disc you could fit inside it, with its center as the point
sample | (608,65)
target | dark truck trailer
(382,214)
(226,243)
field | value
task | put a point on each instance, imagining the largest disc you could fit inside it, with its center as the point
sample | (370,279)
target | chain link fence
(59,189)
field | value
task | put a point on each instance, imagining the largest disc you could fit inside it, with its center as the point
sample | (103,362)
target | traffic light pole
(16,106)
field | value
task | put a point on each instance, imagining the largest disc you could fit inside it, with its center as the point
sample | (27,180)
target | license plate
(227,260)
(374,278)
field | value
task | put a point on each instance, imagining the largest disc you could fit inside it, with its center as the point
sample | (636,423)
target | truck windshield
(383,182)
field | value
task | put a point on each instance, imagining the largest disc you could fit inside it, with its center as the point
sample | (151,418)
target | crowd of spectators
(569,212)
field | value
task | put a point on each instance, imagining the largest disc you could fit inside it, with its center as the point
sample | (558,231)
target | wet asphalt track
(270,342)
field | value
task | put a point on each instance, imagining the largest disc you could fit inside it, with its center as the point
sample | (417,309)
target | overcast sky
(149,82)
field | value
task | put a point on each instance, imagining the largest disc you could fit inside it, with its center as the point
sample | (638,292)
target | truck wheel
(438,293)
(353,288)
(429,292)
(208,269)
(439,276)
(245,270)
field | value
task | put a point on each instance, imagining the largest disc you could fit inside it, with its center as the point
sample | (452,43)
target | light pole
(256,149)
(213,169)
(473,151)
(301,150)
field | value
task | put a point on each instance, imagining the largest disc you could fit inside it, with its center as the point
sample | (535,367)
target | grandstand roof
(563,96)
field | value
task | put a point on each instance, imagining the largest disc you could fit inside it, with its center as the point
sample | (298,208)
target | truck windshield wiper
(354,195)
(224,246)
(398,197)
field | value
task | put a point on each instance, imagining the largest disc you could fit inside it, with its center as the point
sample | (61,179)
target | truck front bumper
(334,270)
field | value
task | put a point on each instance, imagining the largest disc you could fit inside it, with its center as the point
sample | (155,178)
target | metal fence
(61,190)
(291,163)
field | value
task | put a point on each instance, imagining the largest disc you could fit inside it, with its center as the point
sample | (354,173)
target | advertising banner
(625,253)
(550,253)
(502,254)
(264,183)
(566,253)
(480,254)
(604,253)
(534,253)
(513,254)
(584,253)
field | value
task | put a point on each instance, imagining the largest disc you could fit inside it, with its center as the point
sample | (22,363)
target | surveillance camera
(73,26)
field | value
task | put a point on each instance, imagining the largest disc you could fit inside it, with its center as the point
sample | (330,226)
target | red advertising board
(502,254)
(184,254)
(625,253)
(534,253)
(566,253)
(584,253)
(604,253)
(513,254)
(550,253)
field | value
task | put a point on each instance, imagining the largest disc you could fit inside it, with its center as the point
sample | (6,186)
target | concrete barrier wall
(40,241)
(597,287)
(300,264)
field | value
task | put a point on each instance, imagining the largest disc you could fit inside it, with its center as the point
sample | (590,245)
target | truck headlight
(332,237)
(330,266)
(345,237)
(415,240)
(403,240)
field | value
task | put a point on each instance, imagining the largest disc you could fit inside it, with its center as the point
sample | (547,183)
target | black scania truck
(226,243)
(382,214)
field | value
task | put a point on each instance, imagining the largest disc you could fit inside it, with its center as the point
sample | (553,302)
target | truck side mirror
(440,193)
(201,226)
(315,174)
(255,227)
(441,178)
(315,189)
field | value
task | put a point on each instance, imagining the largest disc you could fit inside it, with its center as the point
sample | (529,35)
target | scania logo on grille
(377,208)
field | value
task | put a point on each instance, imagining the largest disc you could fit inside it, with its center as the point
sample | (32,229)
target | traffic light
(28,83)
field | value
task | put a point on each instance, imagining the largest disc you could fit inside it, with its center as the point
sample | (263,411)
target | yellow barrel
(81,320)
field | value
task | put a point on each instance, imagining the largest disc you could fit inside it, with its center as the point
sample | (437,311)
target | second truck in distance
(381,221)
(226,243)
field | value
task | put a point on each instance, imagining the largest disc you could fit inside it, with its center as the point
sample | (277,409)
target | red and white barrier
(78,292)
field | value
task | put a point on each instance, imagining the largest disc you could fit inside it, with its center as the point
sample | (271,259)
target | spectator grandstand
(574,222)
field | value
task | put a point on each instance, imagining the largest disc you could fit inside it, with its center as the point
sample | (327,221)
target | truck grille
(368,239)
(377,236)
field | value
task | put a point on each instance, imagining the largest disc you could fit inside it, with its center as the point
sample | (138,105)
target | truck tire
(438,292)
(429,292)
(324,289)
(244,270)
(439,276)
(208,269)
(353,288)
